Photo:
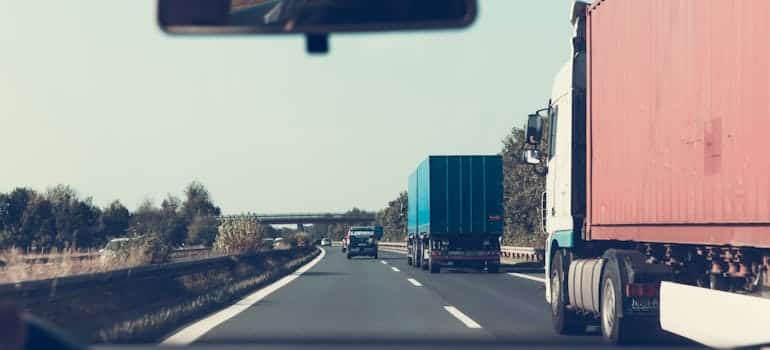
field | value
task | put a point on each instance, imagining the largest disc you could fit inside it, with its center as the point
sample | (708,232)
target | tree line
(336,231)
(59,218)
(522,189)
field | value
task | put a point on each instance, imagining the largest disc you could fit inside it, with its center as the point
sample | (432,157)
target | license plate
(363,245)
(644,305)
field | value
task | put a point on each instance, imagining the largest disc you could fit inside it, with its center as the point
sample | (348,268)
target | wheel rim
(608,307)
(555,293)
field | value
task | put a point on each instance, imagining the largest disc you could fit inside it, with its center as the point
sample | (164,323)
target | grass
(138,329)
(21,267)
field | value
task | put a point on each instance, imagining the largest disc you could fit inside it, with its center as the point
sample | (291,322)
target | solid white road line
(467,321)
(395,268)
(414,282)
(196,330)
(533,278)
(384,262)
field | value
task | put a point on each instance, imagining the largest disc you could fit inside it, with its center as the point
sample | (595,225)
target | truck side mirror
(534,129)
(531,156)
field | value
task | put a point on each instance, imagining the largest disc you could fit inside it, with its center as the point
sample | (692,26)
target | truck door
(559,178)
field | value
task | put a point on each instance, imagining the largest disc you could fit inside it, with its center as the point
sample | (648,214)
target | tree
(202,230)
(393,218)
(77,221)
(115,220)
(198,202)
(146,218)
(13,207)
(38,225)
(522,190)
(173,225)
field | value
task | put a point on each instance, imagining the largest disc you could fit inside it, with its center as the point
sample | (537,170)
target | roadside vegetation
(60,219)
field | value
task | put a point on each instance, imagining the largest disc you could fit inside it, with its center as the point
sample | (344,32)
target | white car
(326,242)
(114,250)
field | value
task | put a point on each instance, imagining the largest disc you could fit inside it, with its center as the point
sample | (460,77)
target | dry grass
(130,330)
(20,267)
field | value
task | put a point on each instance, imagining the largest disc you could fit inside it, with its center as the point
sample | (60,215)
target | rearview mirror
(311,16)
(531,156)
(534,129)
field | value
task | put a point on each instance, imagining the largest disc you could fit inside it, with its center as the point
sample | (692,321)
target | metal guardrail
(399,247)
(45,258)
(175,255)
(511,252)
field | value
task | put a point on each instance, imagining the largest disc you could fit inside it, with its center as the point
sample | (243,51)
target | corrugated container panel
(423,197)
(411,218)
(679,121)
(458,195)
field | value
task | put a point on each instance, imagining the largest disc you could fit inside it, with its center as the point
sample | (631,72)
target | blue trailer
(455,213)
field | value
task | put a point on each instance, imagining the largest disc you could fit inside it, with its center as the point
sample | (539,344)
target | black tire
(349,257)
(409,260)
(565,321)
(493,268)
(615,330)
(434,268)
(375,256)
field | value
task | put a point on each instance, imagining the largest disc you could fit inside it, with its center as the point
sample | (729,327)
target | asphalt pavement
(384,303)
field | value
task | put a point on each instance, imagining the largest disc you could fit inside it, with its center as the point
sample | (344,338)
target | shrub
(139,250)
(238,235)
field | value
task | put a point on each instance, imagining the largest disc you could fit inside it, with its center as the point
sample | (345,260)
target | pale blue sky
(93,95)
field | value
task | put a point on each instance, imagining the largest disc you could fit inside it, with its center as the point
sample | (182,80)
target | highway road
(384,303)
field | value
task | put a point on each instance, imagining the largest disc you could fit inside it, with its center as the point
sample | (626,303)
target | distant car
(116,249)
(326,242)
(362,243)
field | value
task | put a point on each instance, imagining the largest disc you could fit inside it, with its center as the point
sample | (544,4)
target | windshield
(633,208)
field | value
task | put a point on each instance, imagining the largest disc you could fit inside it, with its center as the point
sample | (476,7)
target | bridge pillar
(300,227)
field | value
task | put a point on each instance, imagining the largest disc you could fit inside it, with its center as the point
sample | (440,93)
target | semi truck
(455,213)
(654,147)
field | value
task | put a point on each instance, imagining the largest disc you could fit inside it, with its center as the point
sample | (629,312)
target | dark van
(362,243)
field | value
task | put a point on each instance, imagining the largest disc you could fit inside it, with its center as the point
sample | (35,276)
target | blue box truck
(455,213)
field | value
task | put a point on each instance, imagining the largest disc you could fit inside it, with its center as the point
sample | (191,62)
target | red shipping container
(679,121)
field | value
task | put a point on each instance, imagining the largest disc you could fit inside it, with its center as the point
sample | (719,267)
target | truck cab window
(554,117)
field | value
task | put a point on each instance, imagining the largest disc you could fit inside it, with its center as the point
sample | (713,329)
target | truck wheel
(565,321)
(615,329)
(434,268)
(349,256)
(375,256)
(409,260)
